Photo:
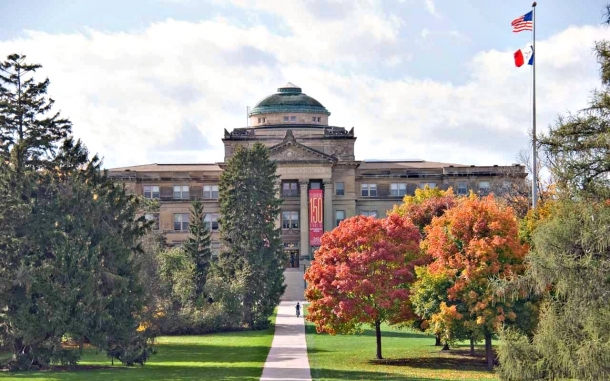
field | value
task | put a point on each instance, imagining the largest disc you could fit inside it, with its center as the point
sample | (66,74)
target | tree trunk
(438,342)
(488,352)
(471,346)
(81,344)
(247,317)
(378,334)
(445,347)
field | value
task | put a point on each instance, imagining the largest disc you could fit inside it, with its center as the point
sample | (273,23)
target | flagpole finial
(534,5)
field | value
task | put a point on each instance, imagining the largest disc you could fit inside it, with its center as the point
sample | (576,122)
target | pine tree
(26,130)
(68,238)
(198,245)
(253,248)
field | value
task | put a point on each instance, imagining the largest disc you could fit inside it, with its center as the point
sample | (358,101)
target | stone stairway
(295,285)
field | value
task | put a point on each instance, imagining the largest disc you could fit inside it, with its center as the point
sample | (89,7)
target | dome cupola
(289,106)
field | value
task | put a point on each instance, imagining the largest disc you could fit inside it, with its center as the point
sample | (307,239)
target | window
(290,220)
(181,191)
(181,221)
(315,185)
(318,119)
(368,190)
(339,216)
(462,188)
(286,119)
(210,191)
(313,119)
(430,185)
(259,120)
(484,187)
(369,213)
(293,118)
(290,188)
(398,189)
(151,191)
(153,217)
(211,221)
(340,189)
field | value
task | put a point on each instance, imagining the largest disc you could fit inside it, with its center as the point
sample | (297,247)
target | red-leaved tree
(471,243)
(360,275)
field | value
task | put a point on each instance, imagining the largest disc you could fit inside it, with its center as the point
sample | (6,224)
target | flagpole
(534,143)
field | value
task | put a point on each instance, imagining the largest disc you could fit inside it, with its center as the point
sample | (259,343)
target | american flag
(524,22)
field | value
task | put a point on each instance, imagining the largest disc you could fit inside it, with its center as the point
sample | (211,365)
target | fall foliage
(426,204)
(471,243)
(360,273)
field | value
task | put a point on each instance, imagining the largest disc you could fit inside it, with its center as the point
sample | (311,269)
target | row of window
(181,221)
(400,189)
(181,192)
(293,118)
(291,189)
(290,219)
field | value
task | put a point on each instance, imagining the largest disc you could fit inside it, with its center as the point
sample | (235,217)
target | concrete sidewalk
(287,359)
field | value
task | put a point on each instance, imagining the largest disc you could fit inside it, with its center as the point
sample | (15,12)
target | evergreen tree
(198,245)
(26,128)
(253,248)
(68,238)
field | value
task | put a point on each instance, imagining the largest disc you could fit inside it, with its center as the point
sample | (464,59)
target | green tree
(177,271)
(253,250)
(570,267)
(28,128)
(68,239)
(197,246)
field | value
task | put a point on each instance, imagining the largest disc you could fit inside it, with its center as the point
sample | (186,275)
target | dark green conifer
(68,237)
(197,246)
(253,253)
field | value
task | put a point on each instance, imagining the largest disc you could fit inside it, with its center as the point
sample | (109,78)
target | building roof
(289,99)
(405,164)
(208,167)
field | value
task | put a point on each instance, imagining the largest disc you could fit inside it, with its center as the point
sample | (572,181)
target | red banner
(316,216)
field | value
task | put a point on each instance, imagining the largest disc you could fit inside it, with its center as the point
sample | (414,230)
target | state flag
(525,55)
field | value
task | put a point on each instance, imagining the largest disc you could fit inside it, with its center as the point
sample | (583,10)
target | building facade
(320,180)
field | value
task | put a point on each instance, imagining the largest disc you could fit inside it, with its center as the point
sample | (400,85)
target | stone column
(278,193)
(304,217)
(328,205)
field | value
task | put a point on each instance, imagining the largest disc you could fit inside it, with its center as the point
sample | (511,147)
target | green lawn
(224,356)
(407,355)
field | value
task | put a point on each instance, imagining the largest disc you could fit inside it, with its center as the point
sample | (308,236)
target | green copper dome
(289,99)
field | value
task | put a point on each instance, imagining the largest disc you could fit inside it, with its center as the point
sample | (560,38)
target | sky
(158,81)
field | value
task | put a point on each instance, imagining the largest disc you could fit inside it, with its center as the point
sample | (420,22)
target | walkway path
(287,359)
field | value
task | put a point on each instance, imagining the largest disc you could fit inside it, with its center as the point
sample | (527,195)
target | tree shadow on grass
(369,332)
(441,361)
(147,372)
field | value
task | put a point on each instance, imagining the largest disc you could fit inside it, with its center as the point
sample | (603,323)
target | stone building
(321,181)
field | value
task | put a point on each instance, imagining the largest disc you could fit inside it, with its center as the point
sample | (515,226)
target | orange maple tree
(472,242)
(426,204)
(360,275)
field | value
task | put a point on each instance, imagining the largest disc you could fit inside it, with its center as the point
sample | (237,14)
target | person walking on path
(298,307)
(287,359)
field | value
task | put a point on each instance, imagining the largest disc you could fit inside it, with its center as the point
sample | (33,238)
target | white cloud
(431,8)
(131,95)
(425,32)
